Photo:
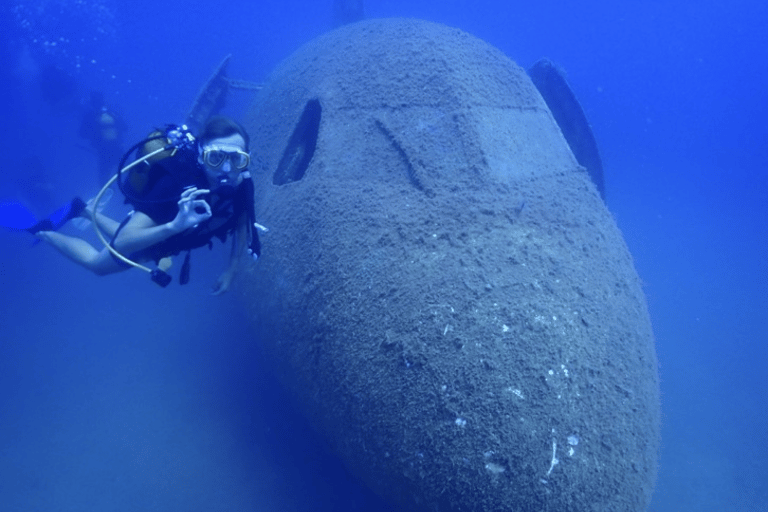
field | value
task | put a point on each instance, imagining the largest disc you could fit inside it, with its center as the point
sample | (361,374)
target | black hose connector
(160,277)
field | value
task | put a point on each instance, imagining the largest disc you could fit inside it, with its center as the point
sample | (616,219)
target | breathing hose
(157,275)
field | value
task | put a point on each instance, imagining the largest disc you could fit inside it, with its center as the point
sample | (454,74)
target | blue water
(116,395)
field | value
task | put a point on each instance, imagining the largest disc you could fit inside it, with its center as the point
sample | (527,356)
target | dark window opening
(301,146)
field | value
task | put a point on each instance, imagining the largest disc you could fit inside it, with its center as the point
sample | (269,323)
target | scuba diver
(103,129)
(185,191)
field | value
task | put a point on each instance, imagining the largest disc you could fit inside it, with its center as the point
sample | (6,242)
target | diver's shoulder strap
(254,244)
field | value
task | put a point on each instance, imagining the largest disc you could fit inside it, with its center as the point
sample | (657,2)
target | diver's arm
(141,231)
(239,243)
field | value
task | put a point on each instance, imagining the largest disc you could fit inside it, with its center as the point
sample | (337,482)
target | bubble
(65,29)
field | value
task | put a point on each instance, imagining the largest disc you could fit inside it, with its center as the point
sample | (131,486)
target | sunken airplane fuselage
(442,287)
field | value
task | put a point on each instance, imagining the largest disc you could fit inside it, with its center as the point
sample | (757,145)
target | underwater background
(118,395)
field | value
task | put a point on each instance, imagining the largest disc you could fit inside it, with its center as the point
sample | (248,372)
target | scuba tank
(166,155)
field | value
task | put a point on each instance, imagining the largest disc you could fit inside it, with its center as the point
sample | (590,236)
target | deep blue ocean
(116,395)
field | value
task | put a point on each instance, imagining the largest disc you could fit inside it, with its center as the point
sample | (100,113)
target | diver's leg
(81,252)
(107,226)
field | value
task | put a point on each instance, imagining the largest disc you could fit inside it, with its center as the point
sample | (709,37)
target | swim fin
(57,219)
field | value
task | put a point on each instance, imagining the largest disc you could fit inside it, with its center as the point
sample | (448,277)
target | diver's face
(225,160)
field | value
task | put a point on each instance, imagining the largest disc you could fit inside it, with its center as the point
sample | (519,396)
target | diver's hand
(223,283)
(192,211)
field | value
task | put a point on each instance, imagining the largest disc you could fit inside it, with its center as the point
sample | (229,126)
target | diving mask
(214,157)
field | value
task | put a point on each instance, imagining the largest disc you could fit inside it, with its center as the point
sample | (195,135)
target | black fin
(57,219)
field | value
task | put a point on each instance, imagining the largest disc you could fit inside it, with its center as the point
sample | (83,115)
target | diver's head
(108,126)
(224,153)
